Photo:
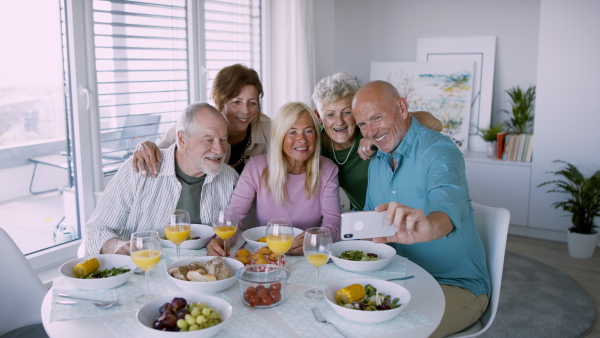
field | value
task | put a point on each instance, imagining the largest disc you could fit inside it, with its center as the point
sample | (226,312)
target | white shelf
(482,157)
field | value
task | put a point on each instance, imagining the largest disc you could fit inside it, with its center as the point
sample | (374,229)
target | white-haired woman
(342,141)
(291,181)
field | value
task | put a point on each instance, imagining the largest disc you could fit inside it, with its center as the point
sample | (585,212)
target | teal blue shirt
(430,176)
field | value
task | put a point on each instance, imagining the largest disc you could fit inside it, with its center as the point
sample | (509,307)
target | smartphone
(365,224)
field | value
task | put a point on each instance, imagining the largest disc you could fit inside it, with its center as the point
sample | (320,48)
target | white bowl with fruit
(381,310)
(357,256)
(186,315)
(200,235)
(98,272)
(210,274)
(256,237)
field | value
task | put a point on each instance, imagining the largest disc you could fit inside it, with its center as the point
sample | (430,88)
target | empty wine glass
(317,250)
(225,224)
(179,229)
(280,236)
(145,253)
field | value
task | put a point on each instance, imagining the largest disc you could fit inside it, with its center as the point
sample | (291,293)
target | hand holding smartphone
(365,224)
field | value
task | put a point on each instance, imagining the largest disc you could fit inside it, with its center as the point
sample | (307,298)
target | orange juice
(317,259)
(280,244)
(177,233)
(145,259)
(225,232)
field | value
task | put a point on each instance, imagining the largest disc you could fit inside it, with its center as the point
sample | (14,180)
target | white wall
(568,119)
(387,30)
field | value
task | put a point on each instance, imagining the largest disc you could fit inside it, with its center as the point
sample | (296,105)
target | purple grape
(158,325)
(163,308)
(181,313)
(178,303)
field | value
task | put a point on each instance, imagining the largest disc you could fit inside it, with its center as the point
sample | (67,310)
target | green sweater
(352,174)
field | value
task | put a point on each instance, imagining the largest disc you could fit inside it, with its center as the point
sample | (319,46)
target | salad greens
(373,301)
(106,273)
(358,255)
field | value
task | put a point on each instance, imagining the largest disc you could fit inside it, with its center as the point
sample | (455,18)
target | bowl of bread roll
(204,274)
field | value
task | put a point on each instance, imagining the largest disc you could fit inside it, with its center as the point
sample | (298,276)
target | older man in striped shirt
(192,176)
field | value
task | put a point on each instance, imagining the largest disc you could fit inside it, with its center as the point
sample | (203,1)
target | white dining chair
(492,224)
(22,293)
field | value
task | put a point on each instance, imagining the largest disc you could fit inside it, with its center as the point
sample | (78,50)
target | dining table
(291,318)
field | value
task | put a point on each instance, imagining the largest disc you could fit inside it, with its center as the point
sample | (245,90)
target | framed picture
(481,51)
(442,88)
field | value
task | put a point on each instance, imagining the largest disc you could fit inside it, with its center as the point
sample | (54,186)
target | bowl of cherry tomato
(262,285)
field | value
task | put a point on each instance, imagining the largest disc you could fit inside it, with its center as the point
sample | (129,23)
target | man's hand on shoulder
(412,226)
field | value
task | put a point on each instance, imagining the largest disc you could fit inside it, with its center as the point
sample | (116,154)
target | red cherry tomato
(255,300)
(247,296)
(266,301)
(275,295)
(260,287)
(276,286)
(251,289)
(263,293)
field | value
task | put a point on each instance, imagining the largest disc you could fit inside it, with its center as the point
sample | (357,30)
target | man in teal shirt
(418,176)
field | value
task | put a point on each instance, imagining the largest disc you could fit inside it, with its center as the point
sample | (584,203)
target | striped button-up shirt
(132,202)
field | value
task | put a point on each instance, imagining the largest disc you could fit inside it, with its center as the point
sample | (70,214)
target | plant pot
(492,149)
(581,245)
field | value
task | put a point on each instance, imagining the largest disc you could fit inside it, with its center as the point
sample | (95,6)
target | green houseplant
(490,136)
(521,114)
(582,201)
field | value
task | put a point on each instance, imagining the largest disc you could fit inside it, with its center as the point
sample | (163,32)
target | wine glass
(145,253)
(179,230)
(225,224)
(317,250)
(280,236)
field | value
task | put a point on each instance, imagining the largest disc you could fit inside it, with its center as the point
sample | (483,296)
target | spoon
(101,305)
(401,278)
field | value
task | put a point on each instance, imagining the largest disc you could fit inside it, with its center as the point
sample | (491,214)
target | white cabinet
(500,184)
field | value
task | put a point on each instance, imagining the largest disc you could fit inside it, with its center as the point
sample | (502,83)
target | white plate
(107,261)
(383,251)
(206,287)
(149,312)
(368,317)
(253,234)
(205,232)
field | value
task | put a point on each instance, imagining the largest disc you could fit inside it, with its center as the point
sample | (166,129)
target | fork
(320,318)
(101,305)
(96,301)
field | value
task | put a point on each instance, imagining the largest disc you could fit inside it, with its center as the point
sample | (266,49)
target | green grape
(190,319)
(195,312)
(183,330)
(200,319)
(206,311)
(182,324)
(194,327)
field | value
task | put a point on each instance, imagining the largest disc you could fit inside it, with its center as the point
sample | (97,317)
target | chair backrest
(492,224)
(22,290)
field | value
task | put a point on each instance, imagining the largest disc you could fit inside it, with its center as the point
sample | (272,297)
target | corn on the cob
(351,293)
(86,267)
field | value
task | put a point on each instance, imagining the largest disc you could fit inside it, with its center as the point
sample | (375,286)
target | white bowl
(368,317)
(149,312)
(205,232)
(206,287)
(107,261)
(383,251)
(253,234)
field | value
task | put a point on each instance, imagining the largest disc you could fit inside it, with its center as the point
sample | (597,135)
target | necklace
(244,153)
(349,152)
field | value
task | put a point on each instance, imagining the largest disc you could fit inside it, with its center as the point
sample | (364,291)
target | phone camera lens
(348,236)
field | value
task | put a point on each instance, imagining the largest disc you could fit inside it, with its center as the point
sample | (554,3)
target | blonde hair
(274,175)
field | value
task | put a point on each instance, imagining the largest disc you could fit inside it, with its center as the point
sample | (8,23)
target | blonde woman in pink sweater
(291,181)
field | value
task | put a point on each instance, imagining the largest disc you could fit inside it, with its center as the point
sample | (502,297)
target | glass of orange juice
(225,224)
(317,250)
(280,236)
(145,253)
(179,229)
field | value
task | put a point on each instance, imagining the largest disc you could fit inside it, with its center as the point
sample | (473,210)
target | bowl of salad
(361,256)
(98,272)
(367,301)
(200,235)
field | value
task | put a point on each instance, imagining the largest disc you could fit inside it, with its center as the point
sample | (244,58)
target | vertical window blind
(142,65)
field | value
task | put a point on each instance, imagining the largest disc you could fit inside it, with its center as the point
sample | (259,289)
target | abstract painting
(482,51)
(442,88)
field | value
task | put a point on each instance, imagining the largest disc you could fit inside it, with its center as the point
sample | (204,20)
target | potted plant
(521,116)
(490,136)
(583,202)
